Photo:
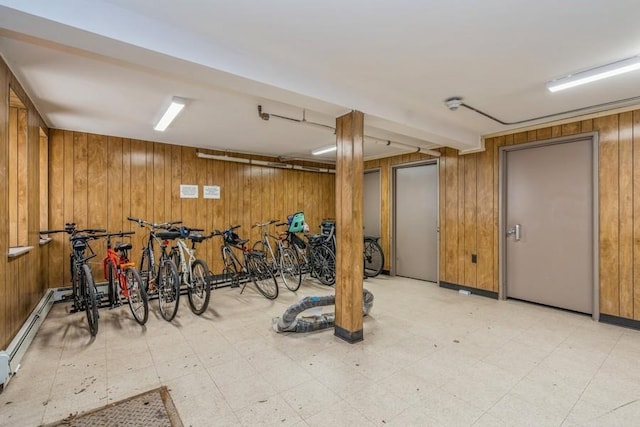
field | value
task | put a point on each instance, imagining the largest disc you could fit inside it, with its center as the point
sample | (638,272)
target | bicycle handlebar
(73,230)
(271,221)
(161,225)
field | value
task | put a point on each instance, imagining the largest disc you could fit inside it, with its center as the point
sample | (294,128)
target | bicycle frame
(184,266)
(121,263)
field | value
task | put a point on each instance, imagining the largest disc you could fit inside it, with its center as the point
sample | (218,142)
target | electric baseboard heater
(10,358)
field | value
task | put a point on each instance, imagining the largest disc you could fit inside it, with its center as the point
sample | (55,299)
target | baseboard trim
(348,336)
(475,291)
(620,321)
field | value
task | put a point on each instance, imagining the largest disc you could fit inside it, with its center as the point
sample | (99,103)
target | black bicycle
(84,291)
(255,267)
(162,280)
(373,257)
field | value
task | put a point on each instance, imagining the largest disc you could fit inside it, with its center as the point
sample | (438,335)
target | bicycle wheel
(90,299)
(168,289)
(146,272)
(137,297)
(324,265)
(262,276)
(290,269)
(373,258)
(199,290)
(230,270)
(112,282)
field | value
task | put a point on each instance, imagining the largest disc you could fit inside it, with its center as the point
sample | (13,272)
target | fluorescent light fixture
(177,104)
(324,150)
(595,74)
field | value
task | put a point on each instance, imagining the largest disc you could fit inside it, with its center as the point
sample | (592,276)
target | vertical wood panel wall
(97,181)
(20,284)
(469,209)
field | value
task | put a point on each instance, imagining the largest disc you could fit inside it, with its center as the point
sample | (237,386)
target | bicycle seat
(168,235)
(123,246)
(240,242)
(316,239)
(197,237)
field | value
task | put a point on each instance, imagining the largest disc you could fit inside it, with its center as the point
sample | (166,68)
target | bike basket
(231,238)
(296,222)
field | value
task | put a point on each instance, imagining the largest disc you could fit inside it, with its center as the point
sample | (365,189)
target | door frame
(379,171)
(392,222)
(502,247)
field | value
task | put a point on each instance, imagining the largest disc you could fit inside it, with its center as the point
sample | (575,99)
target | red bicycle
(118,269)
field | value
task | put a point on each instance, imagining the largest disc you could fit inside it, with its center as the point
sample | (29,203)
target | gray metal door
(371,203)
(549,225)
(416,222)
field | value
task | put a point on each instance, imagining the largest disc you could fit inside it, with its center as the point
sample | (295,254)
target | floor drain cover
(152,408)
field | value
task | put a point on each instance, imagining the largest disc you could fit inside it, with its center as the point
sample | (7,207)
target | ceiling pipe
(255,162)
(456,102)
(417,148)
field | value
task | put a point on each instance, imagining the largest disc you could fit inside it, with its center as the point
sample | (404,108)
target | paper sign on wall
(211,191)
(188,191)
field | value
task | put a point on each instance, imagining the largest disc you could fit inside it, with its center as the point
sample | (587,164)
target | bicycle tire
(90,300)
(137,298)
(262,276)
(230,269)
(112,279)
(199,290)
(324,265)
(168,289)
(146,272)
(290,269)
(373,258)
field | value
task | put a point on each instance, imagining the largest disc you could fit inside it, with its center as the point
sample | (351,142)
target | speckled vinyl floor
(430,357)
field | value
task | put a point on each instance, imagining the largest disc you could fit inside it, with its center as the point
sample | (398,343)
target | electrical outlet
(474,258)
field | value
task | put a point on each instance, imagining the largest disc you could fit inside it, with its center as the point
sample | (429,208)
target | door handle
(515,230)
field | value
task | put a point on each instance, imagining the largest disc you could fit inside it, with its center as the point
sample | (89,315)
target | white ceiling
(112,66)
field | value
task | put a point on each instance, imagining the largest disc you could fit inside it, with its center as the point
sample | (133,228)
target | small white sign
(188,191)
(211,191)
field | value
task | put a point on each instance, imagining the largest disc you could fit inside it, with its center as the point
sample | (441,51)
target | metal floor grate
(152,408)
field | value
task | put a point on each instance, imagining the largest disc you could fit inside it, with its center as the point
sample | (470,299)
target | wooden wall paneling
(176,180)
(636,212)
(150,199)
(56,205)
(532,135)
(485,224)
(461,228)
(498,142)
(586,125)
(97,201)
(5,76)
(451,216)
(24,153)
(556,131)
(113,179)
(470,220)
(609,215)
(125,188)
(189,206)
(12,167)
(43,181)
(518,138)
(625,169)
(138,187)
(544,133)
(80,177)
(257,188)
(159,194)
(442,216)
(572,128)
(68,215)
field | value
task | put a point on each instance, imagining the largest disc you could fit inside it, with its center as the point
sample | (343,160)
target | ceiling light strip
(595,74)
(177,104)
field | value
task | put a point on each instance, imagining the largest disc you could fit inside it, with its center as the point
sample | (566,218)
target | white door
(416,222)
(549,221)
